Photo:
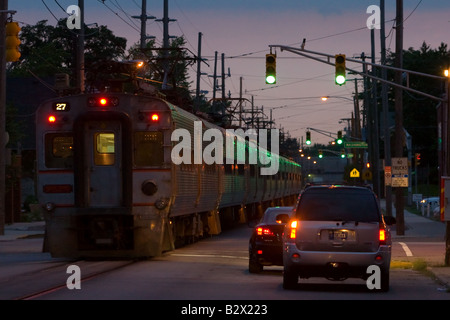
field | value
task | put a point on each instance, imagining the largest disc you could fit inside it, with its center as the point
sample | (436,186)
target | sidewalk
(23,230)
(421,228)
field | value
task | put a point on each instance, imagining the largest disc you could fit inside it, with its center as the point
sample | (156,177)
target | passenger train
(109,187)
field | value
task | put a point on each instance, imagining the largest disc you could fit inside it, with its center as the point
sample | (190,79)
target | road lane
(217,269)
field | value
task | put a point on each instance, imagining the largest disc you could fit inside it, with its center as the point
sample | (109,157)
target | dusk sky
(243,31)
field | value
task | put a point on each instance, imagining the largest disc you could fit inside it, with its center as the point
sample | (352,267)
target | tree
(177,90)
(46,50)
(419,113)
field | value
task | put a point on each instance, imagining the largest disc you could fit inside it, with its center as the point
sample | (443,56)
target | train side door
(103,166)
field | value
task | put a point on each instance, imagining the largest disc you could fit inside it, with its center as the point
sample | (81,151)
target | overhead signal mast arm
(309,54)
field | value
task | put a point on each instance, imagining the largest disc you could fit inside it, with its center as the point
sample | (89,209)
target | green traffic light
(339,77)
(270,79)
(340,80)
(308,142)
(271,72)
(339,141)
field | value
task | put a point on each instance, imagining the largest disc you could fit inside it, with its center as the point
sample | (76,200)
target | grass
(419,265)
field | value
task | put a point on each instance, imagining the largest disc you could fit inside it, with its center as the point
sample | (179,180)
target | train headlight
(49,206)
(149,188)
(161,203)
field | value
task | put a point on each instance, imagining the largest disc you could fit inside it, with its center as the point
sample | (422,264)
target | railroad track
(43,281)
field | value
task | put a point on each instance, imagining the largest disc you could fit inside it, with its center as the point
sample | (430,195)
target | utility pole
(199,61)
(3,15)
(143,17)
(80,50)
(373,111)
(384,99)
(447,166)
(240,102)
(143,23)
(165,20)
(214,77)
(223,77)
(399,133)
(356,131)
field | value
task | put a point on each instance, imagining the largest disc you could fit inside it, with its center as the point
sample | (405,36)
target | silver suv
(337,232)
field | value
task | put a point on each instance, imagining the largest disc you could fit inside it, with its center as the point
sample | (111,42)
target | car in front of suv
(265,247)
(337,232)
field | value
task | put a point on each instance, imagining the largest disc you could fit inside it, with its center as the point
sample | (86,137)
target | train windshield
(148,149)
(59,150)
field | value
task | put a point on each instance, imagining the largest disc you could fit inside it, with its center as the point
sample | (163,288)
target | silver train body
(109,187)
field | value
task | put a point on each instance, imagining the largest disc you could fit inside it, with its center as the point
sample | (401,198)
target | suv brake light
(293,229)
(382,235)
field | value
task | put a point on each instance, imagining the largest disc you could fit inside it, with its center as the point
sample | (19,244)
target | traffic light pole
(310,54)
(447,165)
(3,17)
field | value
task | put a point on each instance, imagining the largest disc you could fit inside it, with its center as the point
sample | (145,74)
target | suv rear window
(338,204)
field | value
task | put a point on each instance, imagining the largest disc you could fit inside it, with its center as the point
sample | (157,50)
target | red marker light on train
(103,101)
(52,119)
(154,117)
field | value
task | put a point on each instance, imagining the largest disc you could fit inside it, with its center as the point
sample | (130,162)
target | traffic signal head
(320,153)
(417,158)
(12,41)
(342,153)
(339,139)
(308,137)
(339,61)
(271,64)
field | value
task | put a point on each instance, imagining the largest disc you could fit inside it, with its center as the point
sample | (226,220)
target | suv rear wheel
(384,280)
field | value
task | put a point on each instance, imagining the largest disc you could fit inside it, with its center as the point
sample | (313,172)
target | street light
(447,72)
(325,98)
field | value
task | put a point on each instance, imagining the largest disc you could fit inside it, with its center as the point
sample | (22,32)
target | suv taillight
(292,231)
(382,235)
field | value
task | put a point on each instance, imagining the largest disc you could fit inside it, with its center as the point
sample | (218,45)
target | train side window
(59,150)
(104,147)
(148,148)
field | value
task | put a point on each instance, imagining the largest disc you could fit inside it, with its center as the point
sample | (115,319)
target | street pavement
(417,228)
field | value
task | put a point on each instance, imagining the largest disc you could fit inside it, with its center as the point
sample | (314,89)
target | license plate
(337,235)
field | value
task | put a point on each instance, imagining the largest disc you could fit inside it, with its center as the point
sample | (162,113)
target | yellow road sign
(354,173)
(367,174)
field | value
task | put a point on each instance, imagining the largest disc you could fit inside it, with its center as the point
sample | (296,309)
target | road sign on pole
(354,173)
(355,144)
(399,172)
(387,175)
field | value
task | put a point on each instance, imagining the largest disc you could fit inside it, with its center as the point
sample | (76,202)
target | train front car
(104,175)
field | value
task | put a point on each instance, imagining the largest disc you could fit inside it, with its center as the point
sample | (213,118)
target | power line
(50,11)
(103,2)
